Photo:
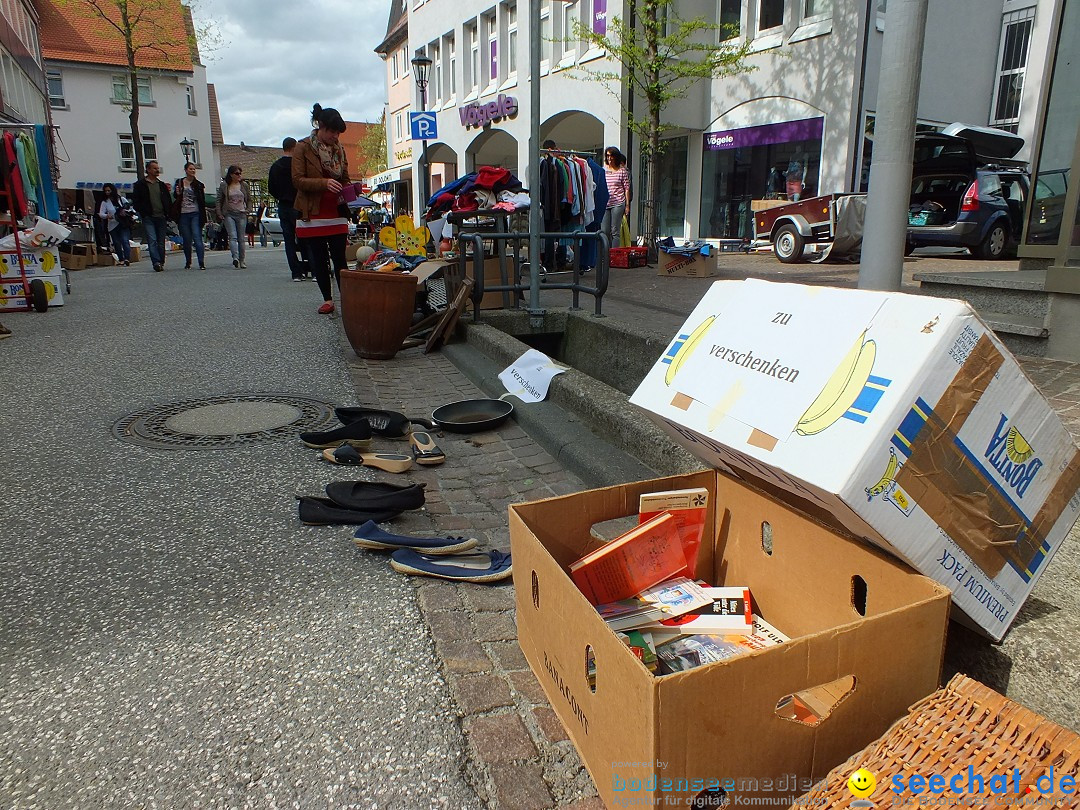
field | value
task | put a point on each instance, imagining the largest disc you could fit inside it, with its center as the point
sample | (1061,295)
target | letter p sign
(423,126)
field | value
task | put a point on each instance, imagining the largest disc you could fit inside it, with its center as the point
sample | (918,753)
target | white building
(88,93)
(809,105)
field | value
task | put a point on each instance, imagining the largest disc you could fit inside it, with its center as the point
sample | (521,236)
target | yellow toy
(405,238)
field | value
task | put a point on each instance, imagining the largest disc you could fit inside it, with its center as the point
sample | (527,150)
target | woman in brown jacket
(319,168)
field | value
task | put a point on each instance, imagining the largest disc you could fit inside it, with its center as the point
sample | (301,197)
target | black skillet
(470,415)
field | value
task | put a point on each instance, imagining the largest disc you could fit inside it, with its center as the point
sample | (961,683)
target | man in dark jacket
(153,201)
(281,188)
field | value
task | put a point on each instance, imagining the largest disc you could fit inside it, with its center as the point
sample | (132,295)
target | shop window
(730,19)
(127,151)
(55,80)
(671,164)
(1012,66)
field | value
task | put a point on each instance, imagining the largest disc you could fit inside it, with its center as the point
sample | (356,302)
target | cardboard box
(696,266)
(35,262)
(103,259)
(899,417)
(74,262)
(849,610)
(492,277)
(136,253)
(11,292)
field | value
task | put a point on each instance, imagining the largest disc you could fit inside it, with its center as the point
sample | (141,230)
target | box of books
(901,418)
(816,643)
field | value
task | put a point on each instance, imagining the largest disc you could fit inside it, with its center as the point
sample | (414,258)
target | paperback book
(688,507)
(678,653)
(669,598)
(634,561)
(729,613)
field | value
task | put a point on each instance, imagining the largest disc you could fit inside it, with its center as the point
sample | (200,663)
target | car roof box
(987,142)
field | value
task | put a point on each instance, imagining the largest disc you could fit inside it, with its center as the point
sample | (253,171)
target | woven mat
(965,724)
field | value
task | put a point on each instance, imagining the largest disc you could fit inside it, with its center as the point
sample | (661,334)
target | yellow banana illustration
(687,349)
(47,260)
(842,389)
(886,477)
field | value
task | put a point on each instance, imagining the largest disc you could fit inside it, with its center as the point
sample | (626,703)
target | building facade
(804,115)
(89,98)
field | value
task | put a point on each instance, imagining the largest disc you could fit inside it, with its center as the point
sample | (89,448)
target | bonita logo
(1011,455)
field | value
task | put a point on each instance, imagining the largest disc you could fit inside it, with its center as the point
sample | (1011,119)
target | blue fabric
(50,203)
(236,228)
(155,238)
(298,265)
(121,239)
(191,233)
(451,187)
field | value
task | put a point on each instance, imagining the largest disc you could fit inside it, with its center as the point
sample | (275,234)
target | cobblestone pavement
(467,722)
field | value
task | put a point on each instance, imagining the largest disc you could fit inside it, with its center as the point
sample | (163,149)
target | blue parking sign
(423,126)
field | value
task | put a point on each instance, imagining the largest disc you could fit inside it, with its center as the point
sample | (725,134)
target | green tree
(658,56)
(371,148)
(140,25)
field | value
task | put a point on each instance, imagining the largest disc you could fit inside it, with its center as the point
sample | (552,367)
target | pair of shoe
(326,308)
(482,567)
(358,502)
(369,535)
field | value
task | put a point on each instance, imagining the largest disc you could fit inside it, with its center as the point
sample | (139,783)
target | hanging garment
(49,201)
(11,172)
(28,168)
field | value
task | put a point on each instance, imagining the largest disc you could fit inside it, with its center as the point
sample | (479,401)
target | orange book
(638,559)
(688,507)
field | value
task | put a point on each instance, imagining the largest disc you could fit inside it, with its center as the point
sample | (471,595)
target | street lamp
(421,65)
(187,146)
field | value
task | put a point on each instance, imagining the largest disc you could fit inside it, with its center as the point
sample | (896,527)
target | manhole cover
(227,421)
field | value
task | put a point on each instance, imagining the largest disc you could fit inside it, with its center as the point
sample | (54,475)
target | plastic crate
(629,257)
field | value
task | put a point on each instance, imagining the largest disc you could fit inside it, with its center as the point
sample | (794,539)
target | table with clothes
(573,197)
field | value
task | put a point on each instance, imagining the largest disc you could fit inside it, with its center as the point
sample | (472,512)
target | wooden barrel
(377,310)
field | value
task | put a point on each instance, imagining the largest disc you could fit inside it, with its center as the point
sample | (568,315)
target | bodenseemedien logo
(862,785)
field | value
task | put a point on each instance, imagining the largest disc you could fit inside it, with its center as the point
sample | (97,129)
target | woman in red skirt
(319,169)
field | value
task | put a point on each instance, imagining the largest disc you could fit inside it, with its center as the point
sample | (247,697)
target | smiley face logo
(862,784)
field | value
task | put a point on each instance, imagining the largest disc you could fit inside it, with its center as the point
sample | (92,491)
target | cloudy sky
(275,58)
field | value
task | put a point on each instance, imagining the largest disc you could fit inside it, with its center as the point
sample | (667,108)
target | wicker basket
(964,724)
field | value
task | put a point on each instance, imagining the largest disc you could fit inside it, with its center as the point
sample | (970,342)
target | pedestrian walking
(319,169)
(618,183)
(281,188)
(117,219)
(153,202)
(233,201)
(189,207)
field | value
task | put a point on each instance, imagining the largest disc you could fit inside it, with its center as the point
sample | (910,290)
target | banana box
(901,418)
(11,292)
(37,263)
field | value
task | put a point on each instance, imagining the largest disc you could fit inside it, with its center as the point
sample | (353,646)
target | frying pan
(471,415)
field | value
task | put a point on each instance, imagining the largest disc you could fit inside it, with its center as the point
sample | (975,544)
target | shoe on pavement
(390,424)
(391,462)
(358,434)
(243,265)
(158,268)
(375,495)
(187,266)
(202,267)
(487,566)
(326,308)
(235,262)
(315,511)
(371,536)
(298,278)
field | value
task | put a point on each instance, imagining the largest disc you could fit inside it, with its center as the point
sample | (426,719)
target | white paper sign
(529,376)
(769,354)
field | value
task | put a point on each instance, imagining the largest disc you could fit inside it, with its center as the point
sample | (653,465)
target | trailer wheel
(39,295)
(788,244)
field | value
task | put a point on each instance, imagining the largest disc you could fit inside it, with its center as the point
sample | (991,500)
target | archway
(443,163)
(574,130)
(493,147)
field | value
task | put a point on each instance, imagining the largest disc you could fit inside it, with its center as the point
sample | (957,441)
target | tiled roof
(72,32)
(254,160)
(215,117)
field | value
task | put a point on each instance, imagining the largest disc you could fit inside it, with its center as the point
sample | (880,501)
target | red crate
(629,257)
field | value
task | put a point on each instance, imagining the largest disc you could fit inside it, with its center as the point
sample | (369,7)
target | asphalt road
(170,634)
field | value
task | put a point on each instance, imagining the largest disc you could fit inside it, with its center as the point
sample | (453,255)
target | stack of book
(641,585)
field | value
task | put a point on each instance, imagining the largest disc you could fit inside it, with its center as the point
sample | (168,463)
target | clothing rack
(568,152)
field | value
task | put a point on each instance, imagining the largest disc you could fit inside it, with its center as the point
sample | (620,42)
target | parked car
(958,199)
(270,231)
(1047,206)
